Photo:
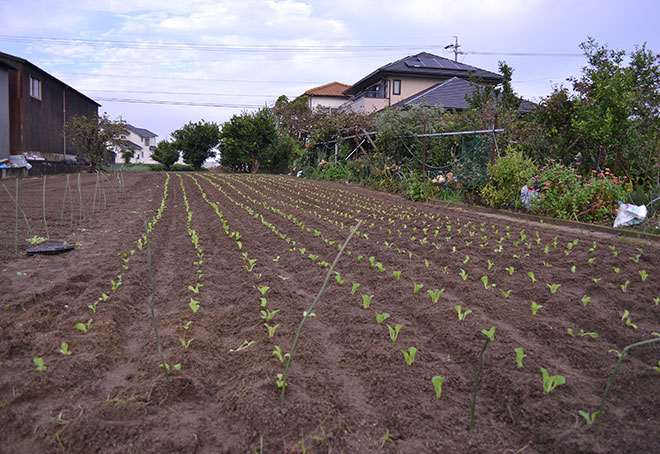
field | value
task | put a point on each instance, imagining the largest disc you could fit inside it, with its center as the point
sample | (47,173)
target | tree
(246,139)
(165,153)
(94,137)
(197,141)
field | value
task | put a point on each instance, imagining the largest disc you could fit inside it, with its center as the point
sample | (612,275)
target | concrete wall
(326,101)
(4,113)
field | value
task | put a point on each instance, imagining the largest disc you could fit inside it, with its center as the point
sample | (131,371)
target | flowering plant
(566,194)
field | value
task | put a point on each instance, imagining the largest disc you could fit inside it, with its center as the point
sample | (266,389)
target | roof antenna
(455,47)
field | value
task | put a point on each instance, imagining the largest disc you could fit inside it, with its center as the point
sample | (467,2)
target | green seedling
(427,263)
(656,300)
(546,264)
(467,259)
(338,278)
(354,288)
(268,315)
(409,355)
(39,362)
(380,318)
(196,288)
(532,277)
(596,279)
(506,293)
(617,270)
(366,300)
(243,346)
(263,301)
(84,327)
(263,288)
(313,257)
(490,265)
(550,382)
(657,369)
(553,288)
(586,300)
(397,274)
(417,287)
(114,285)
(520,355)
(635,258)
(194,305)
(463,274)
(573,268)
(394,332)
(510,269)
(271,329)
(616,352)
(462,314)
(186,325)
(276,259)
(643,274)
(280,381)
(624,286)
(93,306)
(185,343)
(35,240)
(64,349)
(380,267)
(278,354)
(589,417)
(490,334)
(546,249)
(174,367)
(435,294)
(628,321)
(372,260)
(591,260)
(437,385)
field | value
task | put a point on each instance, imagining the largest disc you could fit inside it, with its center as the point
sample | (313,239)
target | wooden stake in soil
(16,223)
(68,183)
(63,203)
(82,211)
(307,313)
(43,204)
(96,187)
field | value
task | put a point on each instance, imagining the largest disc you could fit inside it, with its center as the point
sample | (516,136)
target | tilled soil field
(236,260)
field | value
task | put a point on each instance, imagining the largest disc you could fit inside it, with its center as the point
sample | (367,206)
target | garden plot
(387,363)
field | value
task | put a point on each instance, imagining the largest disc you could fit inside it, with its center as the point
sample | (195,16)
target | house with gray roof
(408,77)
(142,142)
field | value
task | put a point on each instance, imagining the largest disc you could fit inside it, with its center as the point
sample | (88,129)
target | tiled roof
(334,89)
(451,94)
(425,64)
(141,131)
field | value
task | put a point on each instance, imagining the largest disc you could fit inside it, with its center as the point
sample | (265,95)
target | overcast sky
(234,55)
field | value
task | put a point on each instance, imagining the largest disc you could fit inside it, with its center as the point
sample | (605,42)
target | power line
(242,95)
(194,79)
(180,103)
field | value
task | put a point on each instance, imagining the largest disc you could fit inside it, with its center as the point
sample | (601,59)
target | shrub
(565,194)
(508,174)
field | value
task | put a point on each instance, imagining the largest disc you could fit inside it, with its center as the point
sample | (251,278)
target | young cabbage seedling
(535,307)
(510,269)
(550,382)
(338,278)
(643,274)
(409,355)
(366,300)
(463,274)
(589,417)
(380,318)
(626,318)
(417,287)
(394,332)
(532,277)
(657,369)
(354,288)
(586,300)
(278,354)
(39,362)
(186,343)
(437,385)
(263,289)
(462,314)
(64,349)
(84,327)
(194,305)
(186,325)
(435,294)
(397,274)
(553,288)
(271,329)
(506,293)
(520,355)
(624,286)
(268,314)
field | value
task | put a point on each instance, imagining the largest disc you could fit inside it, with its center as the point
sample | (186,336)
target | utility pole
(455,47)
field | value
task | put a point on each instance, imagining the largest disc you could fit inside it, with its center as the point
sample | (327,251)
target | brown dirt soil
(350,389)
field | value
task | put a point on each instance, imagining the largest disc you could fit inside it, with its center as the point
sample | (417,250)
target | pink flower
(543,195)
(577,163)
(556,171)
(579,176)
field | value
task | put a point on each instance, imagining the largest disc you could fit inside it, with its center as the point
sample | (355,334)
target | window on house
(146,141)
(396,87)
(35,88)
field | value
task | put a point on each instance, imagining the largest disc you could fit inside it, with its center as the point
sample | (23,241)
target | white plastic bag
(630,214)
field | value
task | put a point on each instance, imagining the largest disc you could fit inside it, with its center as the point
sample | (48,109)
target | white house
(142,141)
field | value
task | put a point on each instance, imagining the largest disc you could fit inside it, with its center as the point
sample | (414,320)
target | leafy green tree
(165,153)
(246,140)
(96,136)
(196,140)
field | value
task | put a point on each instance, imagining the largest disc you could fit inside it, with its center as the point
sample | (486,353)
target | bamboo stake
(96,186)
(63,204)
(82,211)
(16,223)
(68,182)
